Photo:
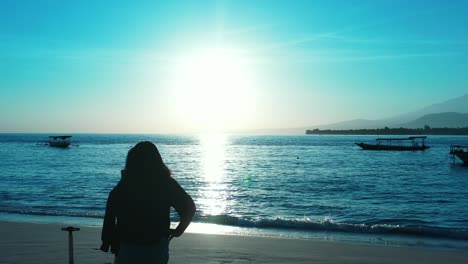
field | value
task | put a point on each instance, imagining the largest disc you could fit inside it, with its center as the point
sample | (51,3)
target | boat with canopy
(461,152)
(397,144)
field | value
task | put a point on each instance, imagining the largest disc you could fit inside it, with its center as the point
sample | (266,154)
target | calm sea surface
(298,184)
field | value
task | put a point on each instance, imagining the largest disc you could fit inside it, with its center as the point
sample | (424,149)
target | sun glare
(213,89)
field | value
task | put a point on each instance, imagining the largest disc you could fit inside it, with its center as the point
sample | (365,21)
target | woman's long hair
(144,165)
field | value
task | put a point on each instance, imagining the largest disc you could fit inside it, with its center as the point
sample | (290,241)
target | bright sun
(213,89)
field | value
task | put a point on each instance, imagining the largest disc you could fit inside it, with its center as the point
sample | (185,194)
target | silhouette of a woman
(137,220)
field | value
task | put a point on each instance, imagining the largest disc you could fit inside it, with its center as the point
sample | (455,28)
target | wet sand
(46,243)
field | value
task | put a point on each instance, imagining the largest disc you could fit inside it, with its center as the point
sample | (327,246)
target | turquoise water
(300,186)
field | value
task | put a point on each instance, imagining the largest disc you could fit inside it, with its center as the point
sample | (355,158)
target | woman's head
(145,163)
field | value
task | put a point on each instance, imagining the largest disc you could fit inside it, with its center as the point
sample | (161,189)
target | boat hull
(59,144)
(462,156)
(389,147)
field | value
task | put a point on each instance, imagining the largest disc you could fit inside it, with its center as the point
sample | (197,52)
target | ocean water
(302,186)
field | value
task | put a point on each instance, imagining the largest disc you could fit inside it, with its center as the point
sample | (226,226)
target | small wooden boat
(397,144)
(59,141)
(461,152)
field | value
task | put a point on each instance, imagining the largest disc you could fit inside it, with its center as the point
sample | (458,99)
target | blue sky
(198,66)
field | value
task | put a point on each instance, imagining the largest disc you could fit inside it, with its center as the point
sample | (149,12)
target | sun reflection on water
(213,195)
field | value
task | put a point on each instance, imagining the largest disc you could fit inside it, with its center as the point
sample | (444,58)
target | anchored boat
(398,144)
(461,152)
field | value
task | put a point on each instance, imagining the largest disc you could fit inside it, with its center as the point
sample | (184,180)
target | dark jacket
(140,214)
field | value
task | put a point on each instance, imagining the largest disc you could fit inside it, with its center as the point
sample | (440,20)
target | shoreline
(371,239)
(46,243)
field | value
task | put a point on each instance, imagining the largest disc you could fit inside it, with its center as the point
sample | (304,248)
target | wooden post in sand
(70,230)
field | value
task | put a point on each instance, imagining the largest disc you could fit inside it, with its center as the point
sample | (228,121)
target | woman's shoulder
(172,183)
(117,189)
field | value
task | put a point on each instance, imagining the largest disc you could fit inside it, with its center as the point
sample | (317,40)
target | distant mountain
(272,131)
(452,113)
(456,105)
(355,124)
(450,119)
(459,104)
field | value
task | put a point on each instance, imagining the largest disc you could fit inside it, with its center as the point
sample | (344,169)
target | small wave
(68,197)
(5,196)
(328,224)
(50,213)
(395,222)
(386,226)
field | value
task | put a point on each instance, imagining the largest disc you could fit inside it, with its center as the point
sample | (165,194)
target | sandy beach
(46,243)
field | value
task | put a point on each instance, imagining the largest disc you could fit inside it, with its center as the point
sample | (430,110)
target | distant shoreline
(393,131)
